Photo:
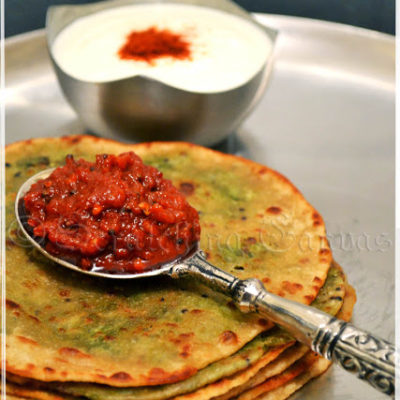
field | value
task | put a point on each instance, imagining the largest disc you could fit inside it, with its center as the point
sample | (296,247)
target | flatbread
(287,389)
(286,378)
(14,390)
(286,359)
(329,299)
(275,383)
(280,387)
(12,397)
(66,327)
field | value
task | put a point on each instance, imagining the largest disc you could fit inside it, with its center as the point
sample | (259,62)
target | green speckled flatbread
(232,374)
(68,327)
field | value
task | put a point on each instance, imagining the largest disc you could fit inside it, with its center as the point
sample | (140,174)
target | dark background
(26,15)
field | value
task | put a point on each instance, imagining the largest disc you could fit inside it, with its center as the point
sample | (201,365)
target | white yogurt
(226,50)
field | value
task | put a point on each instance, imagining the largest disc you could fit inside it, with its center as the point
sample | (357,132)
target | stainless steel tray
(326,122)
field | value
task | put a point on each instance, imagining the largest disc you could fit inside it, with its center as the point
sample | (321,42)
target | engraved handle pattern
(370,358)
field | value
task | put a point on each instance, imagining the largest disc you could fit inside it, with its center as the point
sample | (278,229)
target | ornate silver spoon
(370,358)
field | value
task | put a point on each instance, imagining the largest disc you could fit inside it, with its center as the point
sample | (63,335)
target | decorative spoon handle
(368,357)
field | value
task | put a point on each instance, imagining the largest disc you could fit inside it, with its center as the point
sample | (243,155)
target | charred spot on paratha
(186,188)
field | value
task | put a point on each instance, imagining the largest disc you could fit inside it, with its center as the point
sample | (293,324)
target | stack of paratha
(71,336)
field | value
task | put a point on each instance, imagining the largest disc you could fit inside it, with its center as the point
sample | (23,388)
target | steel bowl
(144,109)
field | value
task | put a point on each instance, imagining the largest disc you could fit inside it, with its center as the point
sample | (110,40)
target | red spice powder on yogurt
(153,43)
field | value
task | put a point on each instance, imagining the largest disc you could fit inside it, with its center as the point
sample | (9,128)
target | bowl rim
(58,17)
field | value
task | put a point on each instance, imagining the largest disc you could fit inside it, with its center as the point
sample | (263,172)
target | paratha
(261,351)
(284,378)
(21,391)
(66,327)
(330,299)
(281,386)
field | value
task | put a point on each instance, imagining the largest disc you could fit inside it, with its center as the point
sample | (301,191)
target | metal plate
(326,122)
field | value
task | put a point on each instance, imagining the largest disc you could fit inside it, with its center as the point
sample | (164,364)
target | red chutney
(153,43)
(117,215)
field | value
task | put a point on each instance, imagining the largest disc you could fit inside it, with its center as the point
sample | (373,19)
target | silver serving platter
(327,121)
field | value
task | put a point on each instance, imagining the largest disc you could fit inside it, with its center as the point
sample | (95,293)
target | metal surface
(326,122)
(144,109)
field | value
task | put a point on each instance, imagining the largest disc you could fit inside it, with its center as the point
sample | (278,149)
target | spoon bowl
(38,242)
